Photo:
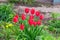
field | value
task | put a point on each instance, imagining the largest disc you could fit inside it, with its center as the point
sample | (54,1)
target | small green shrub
(54,23)
(24,2)
(12,1)
(46,36)
(58,38)
(6,12)
(50,28)
(30,2)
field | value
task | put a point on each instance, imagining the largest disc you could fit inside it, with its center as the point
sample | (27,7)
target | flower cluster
(31,20)
(8,25)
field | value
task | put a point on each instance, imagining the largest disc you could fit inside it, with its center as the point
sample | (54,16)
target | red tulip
(37,13)
(30,22)
(22,26)
(34,23)
(31,17)
(26,10)
(38,22)
(32,11)
(41,17)
(16,16)
(23,16)
(15,19)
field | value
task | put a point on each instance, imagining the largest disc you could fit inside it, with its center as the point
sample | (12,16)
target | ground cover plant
(55,22)
(14,1)
(22,2)
(6,12)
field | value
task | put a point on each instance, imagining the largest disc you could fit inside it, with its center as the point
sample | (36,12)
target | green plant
(54,23)
(22,27)
(13,31)
(30,2)
(6,12)
(50,28)
(29,27)
(58,38)
(46,36)
(12,1)
(25,2)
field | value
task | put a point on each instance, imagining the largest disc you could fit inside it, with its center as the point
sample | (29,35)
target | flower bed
(27,26)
